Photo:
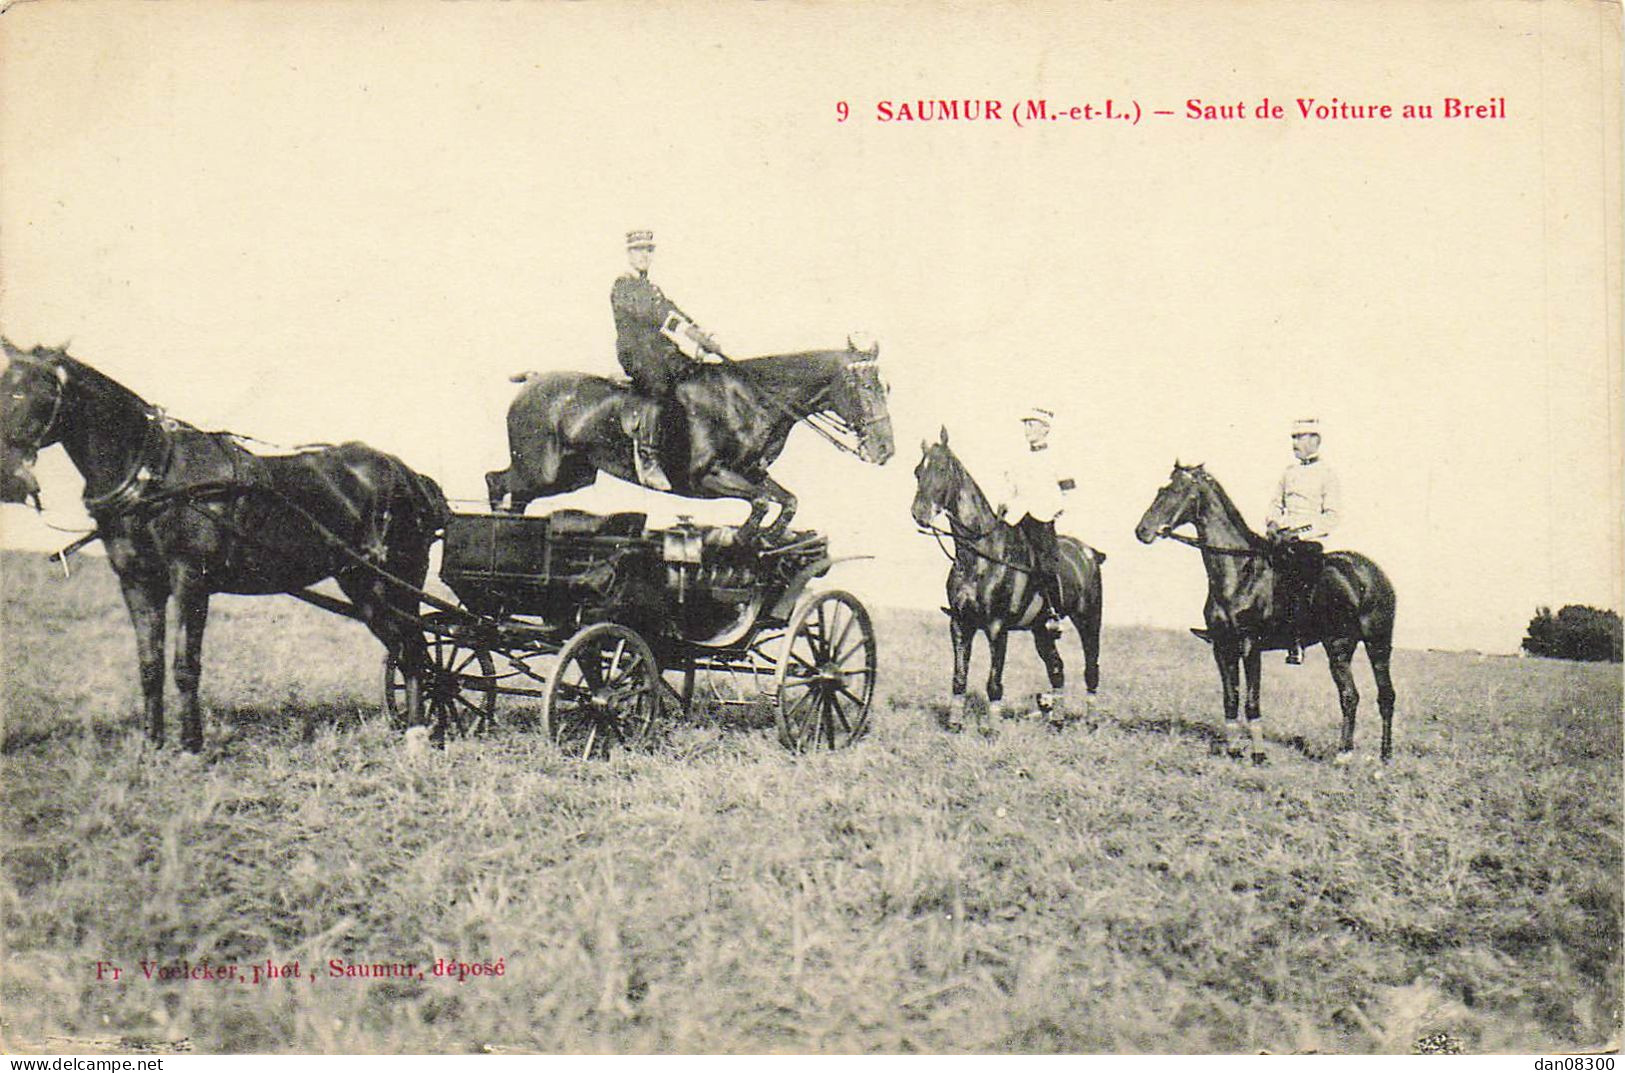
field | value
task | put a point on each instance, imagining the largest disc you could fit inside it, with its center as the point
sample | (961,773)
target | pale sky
(323,222)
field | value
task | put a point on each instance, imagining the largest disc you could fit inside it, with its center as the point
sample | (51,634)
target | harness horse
(991,588)
(185,513)
(1351,601)
(565,428)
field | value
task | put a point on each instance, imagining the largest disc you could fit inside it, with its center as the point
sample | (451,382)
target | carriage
(593,617)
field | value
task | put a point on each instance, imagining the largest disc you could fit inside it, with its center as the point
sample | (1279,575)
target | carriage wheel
(605,691)
(459,686)
(826,676)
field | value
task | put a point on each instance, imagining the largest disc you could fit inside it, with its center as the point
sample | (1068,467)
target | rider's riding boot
(646,456)
(647,464)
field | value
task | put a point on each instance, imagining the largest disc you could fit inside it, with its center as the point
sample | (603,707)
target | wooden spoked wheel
(604,693)
(826,676)
(459,685)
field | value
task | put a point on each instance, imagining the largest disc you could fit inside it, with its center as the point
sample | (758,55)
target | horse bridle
(837,426)
(57,377)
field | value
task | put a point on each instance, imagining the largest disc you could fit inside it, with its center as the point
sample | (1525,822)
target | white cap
(1306,426)
(1042,414)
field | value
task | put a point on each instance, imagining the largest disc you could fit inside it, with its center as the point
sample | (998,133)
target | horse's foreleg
(145,601)
(963,636)
(998,640)
(1380,653)
(1338,653)
(1252,664)
(1227,655)
(726,484)
(1053,702)
(192,603)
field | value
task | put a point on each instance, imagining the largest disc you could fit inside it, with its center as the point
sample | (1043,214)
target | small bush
(1575,632)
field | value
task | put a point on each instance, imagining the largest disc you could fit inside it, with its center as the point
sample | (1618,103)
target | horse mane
(1227,504)
(962,474)
(777,371)
(93,377)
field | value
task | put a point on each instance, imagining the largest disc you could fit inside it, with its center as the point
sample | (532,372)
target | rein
(968,542)
(1202,545)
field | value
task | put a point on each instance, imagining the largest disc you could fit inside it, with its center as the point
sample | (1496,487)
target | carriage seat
(584,523)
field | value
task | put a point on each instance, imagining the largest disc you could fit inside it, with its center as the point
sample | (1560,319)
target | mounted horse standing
(187,513)
(991,587)
(1350,601)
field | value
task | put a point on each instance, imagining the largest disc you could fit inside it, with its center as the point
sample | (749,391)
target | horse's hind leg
(1380,653)
(1087,623)
(145,600)
(496,487)
(1338,653)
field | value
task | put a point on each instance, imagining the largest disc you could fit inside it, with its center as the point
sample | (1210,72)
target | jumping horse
(1352,601)
(564,428)
(991,588)
(185,513)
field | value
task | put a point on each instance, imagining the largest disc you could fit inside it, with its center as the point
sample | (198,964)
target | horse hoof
(1343,759)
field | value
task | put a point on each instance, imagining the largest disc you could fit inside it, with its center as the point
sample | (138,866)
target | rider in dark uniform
(648,327)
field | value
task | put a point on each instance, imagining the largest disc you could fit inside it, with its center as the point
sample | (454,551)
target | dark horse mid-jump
(991,589)
(563,428)
(1352,601)
(186,513)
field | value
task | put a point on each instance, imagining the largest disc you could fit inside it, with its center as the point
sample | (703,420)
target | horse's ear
(942,437)
(925,446)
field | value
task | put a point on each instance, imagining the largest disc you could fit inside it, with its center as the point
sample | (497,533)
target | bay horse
(1352,601)
(185,513)
(991,588)
(564,428)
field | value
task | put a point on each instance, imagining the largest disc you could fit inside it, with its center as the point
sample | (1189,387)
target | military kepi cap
(1041,414)
(1306,426)
(640,240)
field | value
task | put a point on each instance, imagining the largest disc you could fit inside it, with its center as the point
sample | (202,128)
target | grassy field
(1115,890)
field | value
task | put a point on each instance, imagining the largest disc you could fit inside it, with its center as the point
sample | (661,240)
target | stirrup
(1294,656)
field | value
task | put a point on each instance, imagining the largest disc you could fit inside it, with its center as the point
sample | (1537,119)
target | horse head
(1176,503)
(32,389)
(859,400)
(936,481)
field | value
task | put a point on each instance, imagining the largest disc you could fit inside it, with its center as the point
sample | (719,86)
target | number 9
(841,111)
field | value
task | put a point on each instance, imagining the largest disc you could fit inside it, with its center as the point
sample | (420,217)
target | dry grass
(1120,890)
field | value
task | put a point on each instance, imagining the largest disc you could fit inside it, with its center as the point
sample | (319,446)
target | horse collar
(148,465)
